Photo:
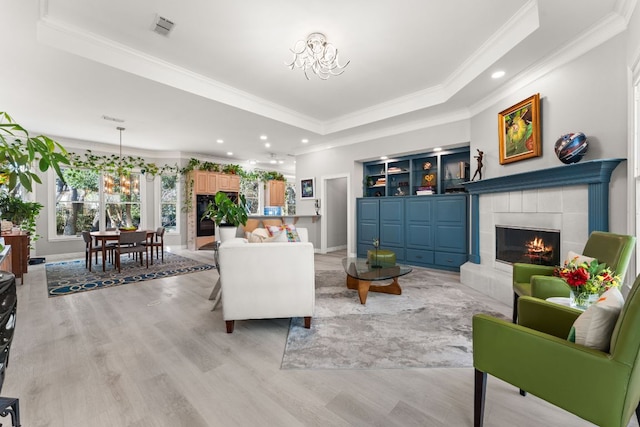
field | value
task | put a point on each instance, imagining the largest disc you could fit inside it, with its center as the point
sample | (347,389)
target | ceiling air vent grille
(163,26)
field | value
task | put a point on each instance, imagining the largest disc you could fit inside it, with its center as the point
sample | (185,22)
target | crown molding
(610,26)
(89,45)
(514,31)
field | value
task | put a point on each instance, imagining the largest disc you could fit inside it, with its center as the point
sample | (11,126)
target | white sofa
(267,280)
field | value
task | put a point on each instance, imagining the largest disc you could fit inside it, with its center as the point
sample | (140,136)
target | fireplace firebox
(529,245)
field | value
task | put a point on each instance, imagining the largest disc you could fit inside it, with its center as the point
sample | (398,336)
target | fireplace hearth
(528,245)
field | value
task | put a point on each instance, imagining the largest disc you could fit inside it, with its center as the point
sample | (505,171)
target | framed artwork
(519,131)
(307,188)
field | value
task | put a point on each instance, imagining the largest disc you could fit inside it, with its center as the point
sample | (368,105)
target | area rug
(429,325)
(69,277)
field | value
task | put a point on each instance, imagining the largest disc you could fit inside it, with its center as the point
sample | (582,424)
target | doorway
(335,208)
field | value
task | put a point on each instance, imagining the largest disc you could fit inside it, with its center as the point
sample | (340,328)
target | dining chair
(91,248)
(158,243)
(131,242)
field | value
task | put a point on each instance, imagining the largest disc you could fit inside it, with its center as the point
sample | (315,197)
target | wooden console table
(19,242)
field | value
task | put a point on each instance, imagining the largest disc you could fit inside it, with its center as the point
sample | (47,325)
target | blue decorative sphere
(571,147)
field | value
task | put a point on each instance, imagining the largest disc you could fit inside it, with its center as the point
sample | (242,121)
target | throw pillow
(287,230)
(581,258)
(259,235)
(594,327)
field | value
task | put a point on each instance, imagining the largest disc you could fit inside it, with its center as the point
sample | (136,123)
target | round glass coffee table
(360,274)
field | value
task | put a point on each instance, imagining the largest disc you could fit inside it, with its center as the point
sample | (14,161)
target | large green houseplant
(19,152)
(226,213)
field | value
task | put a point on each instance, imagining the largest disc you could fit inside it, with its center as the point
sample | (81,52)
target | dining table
(106,236)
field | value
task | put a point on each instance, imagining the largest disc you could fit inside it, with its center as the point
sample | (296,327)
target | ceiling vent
(162,26)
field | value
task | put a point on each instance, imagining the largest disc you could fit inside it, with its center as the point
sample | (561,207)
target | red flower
(577,277)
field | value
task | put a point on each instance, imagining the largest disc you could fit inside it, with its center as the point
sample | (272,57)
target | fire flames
(537,249)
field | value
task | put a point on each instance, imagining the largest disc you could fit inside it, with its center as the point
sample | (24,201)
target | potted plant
(21,213)
(227,214)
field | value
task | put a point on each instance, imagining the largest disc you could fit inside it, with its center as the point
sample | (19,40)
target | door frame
(323,212)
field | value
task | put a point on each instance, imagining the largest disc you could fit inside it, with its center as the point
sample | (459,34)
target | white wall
(587,95)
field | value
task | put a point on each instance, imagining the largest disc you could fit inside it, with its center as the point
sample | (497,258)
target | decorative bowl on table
(125,229)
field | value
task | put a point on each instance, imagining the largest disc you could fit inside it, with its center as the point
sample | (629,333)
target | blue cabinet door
(368,220)
(451,224)
(392,222)
(419,222)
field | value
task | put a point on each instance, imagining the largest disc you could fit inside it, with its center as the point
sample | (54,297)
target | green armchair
(600,387)
(537,281)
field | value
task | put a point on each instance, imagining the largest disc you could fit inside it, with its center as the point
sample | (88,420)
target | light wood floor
(153,354)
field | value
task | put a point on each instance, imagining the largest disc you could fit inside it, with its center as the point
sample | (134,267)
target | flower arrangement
(586,278)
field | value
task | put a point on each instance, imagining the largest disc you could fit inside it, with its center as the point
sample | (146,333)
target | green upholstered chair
(600,387)
(537,281)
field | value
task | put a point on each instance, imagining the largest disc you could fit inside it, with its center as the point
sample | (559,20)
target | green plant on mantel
(19,151)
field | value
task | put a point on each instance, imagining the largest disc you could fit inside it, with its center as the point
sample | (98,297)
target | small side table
(216,292)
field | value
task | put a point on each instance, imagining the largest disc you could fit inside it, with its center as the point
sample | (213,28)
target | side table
(216,292)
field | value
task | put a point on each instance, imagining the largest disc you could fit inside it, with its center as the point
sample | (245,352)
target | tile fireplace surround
(573,199)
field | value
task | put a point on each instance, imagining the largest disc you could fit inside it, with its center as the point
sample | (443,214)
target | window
(77,202)
(122,201)
(290,198)
(169,192)
(251,191)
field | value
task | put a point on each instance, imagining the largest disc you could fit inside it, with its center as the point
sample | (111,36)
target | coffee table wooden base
(364,287)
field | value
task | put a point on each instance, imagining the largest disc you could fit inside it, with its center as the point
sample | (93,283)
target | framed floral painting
(519,131)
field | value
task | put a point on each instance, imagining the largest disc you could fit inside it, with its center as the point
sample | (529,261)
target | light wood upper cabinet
(228,182)
(275,193)
(212,182)
(205,182)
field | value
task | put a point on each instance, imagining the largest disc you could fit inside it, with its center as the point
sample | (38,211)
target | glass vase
(582,300)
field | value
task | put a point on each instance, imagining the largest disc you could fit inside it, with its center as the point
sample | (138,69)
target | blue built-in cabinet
(429,231)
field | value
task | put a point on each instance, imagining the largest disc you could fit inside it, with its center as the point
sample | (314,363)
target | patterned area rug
(68,277)
(429,325)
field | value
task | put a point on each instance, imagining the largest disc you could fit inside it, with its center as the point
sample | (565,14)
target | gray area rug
(429,325)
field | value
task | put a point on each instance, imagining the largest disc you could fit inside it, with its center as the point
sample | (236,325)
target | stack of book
(380,182)
(422,191)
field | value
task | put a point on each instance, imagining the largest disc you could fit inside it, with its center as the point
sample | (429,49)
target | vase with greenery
(226,213)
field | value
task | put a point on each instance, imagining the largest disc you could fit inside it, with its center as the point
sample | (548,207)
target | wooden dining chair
(158,243)
(131,242)
(91,248)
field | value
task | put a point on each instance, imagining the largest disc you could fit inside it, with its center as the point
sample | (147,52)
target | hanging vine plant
(115,164)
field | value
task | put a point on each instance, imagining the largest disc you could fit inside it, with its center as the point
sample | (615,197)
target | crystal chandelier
(127,184)
(317,55)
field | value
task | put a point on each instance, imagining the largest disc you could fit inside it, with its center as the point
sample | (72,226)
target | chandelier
(317,55)
(128,184)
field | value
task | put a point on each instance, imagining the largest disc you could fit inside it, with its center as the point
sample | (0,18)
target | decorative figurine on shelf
(426,166)
(479,168)
(317,206)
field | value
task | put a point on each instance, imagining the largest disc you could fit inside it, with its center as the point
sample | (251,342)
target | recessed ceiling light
(266,144)
(263,137)
(280,161)
(229,153)
(304,141)
(437,149)
(252,162)
(273,162)
(219,141)
(498,74)
(383,157)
